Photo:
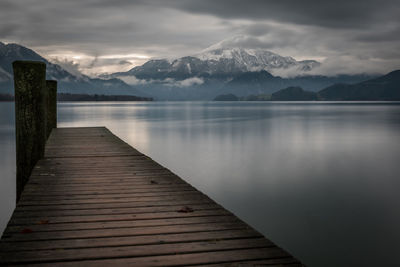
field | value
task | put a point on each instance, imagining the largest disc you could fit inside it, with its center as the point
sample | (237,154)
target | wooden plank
(92,233)
(96,201)
(99,172)
(121,182)
(60,189)
(290,262)
(184,259)
(131,204)
(105,211)
(119,224)
(103,177)
(131,251)
(110,185)
(121,190)
(46,197)
(113,221)
(128,240)
(183,195)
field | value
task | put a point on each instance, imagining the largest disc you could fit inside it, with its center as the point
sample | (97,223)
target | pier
(93,200)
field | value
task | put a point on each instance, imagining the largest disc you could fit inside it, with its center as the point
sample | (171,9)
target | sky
(105,36)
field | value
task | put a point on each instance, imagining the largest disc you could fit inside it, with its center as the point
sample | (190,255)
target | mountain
(67,82)
(386,87)
(228,97)
(253,83)
(262,82)
(293,94)
(86,97)
(226,70)
(203,76)
(221,62)
(253,59)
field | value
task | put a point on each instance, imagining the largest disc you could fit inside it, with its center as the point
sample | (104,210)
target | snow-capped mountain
(214,71)
(223,69)
(222,62)
(255,59)
(67,82)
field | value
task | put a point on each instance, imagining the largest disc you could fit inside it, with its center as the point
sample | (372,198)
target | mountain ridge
(186,78)
(67,82)
(219,62)
(223,71)
(383,88)
(386,88)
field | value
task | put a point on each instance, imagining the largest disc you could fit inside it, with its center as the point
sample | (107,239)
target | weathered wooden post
(51,88)
(30,117)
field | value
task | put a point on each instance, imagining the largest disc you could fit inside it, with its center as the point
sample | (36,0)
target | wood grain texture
(96,201)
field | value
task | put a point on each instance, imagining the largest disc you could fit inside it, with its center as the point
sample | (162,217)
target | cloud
(190,82)
(391,34)
(125,62)
(8,30)
(343,64)
(132,80)
(104,32)
(180,83)
(331,14)
(69,66)
(244,41)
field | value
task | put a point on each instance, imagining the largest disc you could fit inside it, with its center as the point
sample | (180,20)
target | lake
(320,179)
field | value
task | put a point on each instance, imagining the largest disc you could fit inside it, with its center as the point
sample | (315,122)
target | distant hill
(294,94)
(262,97)
(232,97)
(386,87)
(227,97)
(262,82)
(86,97)
(67,82)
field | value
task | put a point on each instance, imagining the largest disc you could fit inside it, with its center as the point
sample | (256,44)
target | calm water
(319,179)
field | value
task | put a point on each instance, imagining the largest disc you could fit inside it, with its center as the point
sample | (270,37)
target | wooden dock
(93,200)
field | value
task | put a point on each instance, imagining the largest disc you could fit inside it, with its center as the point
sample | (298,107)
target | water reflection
(319,179)
(7,163)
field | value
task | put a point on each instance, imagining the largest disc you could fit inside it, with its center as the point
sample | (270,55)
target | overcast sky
(95,36)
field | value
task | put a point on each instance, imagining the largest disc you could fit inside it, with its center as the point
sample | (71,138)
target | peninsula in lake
(384,88)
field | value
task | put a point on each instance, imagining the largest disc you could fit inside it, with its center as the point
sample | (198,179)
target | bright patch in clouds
(125,56)
(106,36)
(96,65)
(190,82)
(132,80)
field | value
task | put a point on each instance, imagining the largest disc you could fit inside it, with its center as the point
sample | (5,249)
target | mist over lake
(318,179)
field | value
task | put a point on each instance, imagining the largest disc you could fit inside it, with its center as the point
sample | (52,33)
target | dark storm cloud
(7,29)
(257,30)
(102,27)
(345,33)
(338,13)
(124,62)
(4,5)
(381,36)
(70,66)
